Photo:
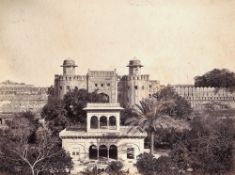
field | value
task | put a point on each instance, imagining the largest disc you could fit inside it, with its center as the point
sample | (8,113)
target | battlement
(144,77)
(190,90)
(70,77)
(96,73)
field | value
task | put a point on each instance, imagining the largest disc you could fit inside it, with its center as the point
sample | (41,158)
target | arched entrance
(103,152)
(93,152)
(113,152)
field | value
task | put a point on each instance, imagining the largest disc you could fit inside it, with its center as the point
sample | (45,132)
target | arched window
(93,153)
(103,152)
(94,122)
(112,122)
(113,152)
(130,153)
(103,122)
(0,121)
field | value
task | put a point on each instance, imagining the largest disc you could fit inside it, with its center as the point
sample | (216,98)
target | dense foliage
(220,78)
(59,114)
(30,149)
(206,149)
(165,110)
(179,107)
(147,164)
(115,168)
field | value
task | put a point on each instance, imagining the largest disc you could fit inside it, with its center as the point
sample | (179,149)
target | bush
(146,164)
(115,168)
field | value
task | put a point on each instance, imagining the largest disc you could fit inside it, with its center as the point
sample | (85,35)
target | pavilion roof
(124,132)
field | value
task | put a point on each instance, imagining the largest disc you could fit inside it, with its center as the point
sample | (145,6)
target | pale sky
(174,39)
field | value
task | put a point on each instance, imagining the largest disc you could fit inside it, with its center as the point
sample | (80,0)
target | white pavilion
(103,140)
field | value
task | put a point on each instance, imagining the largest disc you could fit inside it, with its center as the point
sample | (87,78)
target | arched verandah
(103,122)
(103,152)
(93,152)
(113,153)
(94,122)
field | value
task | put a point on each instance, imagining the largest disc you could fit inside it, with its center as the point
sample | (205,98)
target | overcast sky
(174,39)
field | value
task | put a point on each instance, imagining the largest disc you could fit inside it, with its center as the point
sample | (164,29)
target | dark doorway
(103,152)
(93,153)
(113,152)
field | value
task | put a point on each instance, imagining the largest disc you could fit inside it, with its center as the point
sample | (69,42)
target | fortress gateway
(127,90)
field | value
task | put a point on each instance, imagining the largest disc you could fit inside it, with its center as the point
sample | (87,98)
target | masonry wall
(197,96)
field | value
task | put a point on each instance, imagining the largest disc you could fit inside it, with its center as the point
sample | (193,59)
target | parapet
(102,106)
(94,73)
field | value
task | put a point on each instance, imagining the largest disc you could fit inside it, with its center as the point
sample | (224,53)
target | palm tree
(150,115)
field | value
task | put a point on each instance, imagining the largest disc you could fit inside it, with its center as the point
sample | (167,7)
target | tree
(219,78)
(59,114)
(147,164)
(54,115)
(212,144)
(30,149)
(115,168)
(207,147)
(180,108)
(150,115)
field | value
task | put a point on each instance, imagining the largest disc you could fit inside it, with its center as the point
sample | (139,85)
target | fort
(129,89)
(126,90)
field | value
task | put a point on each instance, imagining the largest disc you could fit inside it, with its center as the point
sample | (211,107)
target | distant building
(20,97)
(103,140)
(128,90)
(199,96)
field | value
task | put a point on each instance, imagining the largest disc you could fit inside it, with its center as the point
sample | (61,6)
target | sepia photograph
(117,87)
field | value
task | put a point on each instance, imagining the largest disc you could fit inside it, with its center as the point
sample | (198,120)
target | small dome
(68,63)
(134,63)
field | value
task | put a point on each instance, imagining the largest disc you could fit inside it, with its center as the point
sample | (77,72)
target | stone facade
(103,140)
(20,97)
(198,96)
(128,90)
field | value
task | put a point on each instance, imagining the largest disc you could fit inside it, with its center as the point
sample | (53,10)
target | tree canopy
(59,114)
(205,149)
(179,107)
(219,78)
(165,110)
(30,149)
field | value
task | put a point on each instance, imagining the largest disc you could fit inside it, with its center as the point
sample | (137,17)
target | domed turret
(134,63)
(134,67)
(69,67)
